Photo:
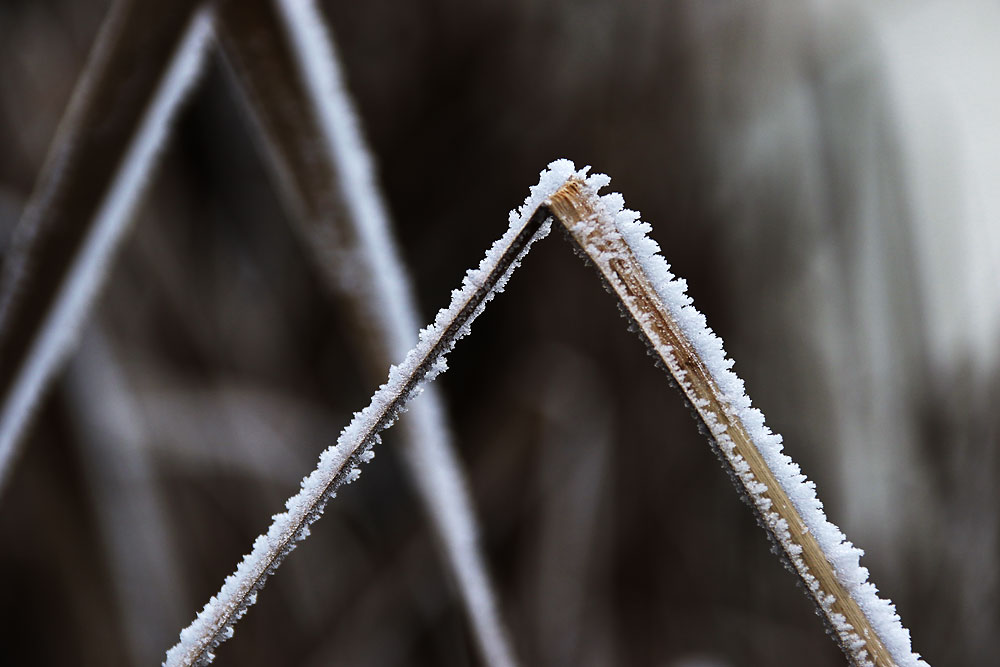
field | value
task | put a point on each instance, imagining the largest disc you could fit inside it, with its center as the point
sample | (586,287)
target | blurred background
(824,175)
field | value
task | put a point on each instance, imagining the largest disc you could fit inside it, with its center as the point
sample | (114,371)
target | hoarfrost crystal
(339,463)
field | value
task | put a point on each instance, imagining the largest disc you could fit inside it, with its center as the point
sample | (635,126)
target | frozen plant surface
(612,237)
(617,242)
(340,463)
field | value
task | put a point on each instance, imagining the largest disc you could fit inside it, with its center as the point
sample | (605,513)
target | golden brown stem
(634,289)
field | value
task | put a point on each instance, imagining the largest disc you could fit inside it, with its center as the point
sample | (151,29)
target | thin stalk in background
(143,62)
(574,467)
(286,69)
(118,460)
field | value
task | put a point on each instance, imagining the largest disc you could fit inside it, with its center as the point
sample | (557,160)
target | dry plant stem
(340,463)
(628,281)
(283,103)
(130,56)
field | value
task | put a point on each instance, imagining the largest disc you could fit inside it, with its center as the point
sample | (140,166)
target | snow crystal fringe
(866,627)
(340,463)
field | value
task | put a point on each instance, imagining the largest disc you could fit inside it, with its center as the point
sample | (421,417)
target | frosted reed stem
(593,228)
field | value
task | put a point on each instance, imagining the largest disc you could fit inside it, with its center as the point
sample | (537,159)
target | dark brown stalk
(340,463)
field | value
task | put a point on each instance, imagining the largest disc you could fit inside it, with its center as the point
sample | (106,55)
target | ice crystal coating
(843,556)
(340,463)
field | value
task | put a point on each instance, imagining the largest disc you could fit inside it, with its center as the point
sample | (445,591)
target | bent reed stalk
(865,626)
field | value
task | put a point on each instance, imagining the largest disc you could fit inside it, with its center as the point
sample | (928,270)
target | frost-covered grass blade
(340,463)
(866,627)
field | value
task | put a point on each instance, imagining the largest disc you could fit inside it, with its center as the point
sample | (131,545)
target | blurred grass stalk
(117,458)
(143,63)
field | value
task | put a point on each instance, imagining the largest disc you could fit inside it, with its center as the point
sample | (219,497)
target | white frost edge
(842,555)
(86,276)
(239,590)
(430,454)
